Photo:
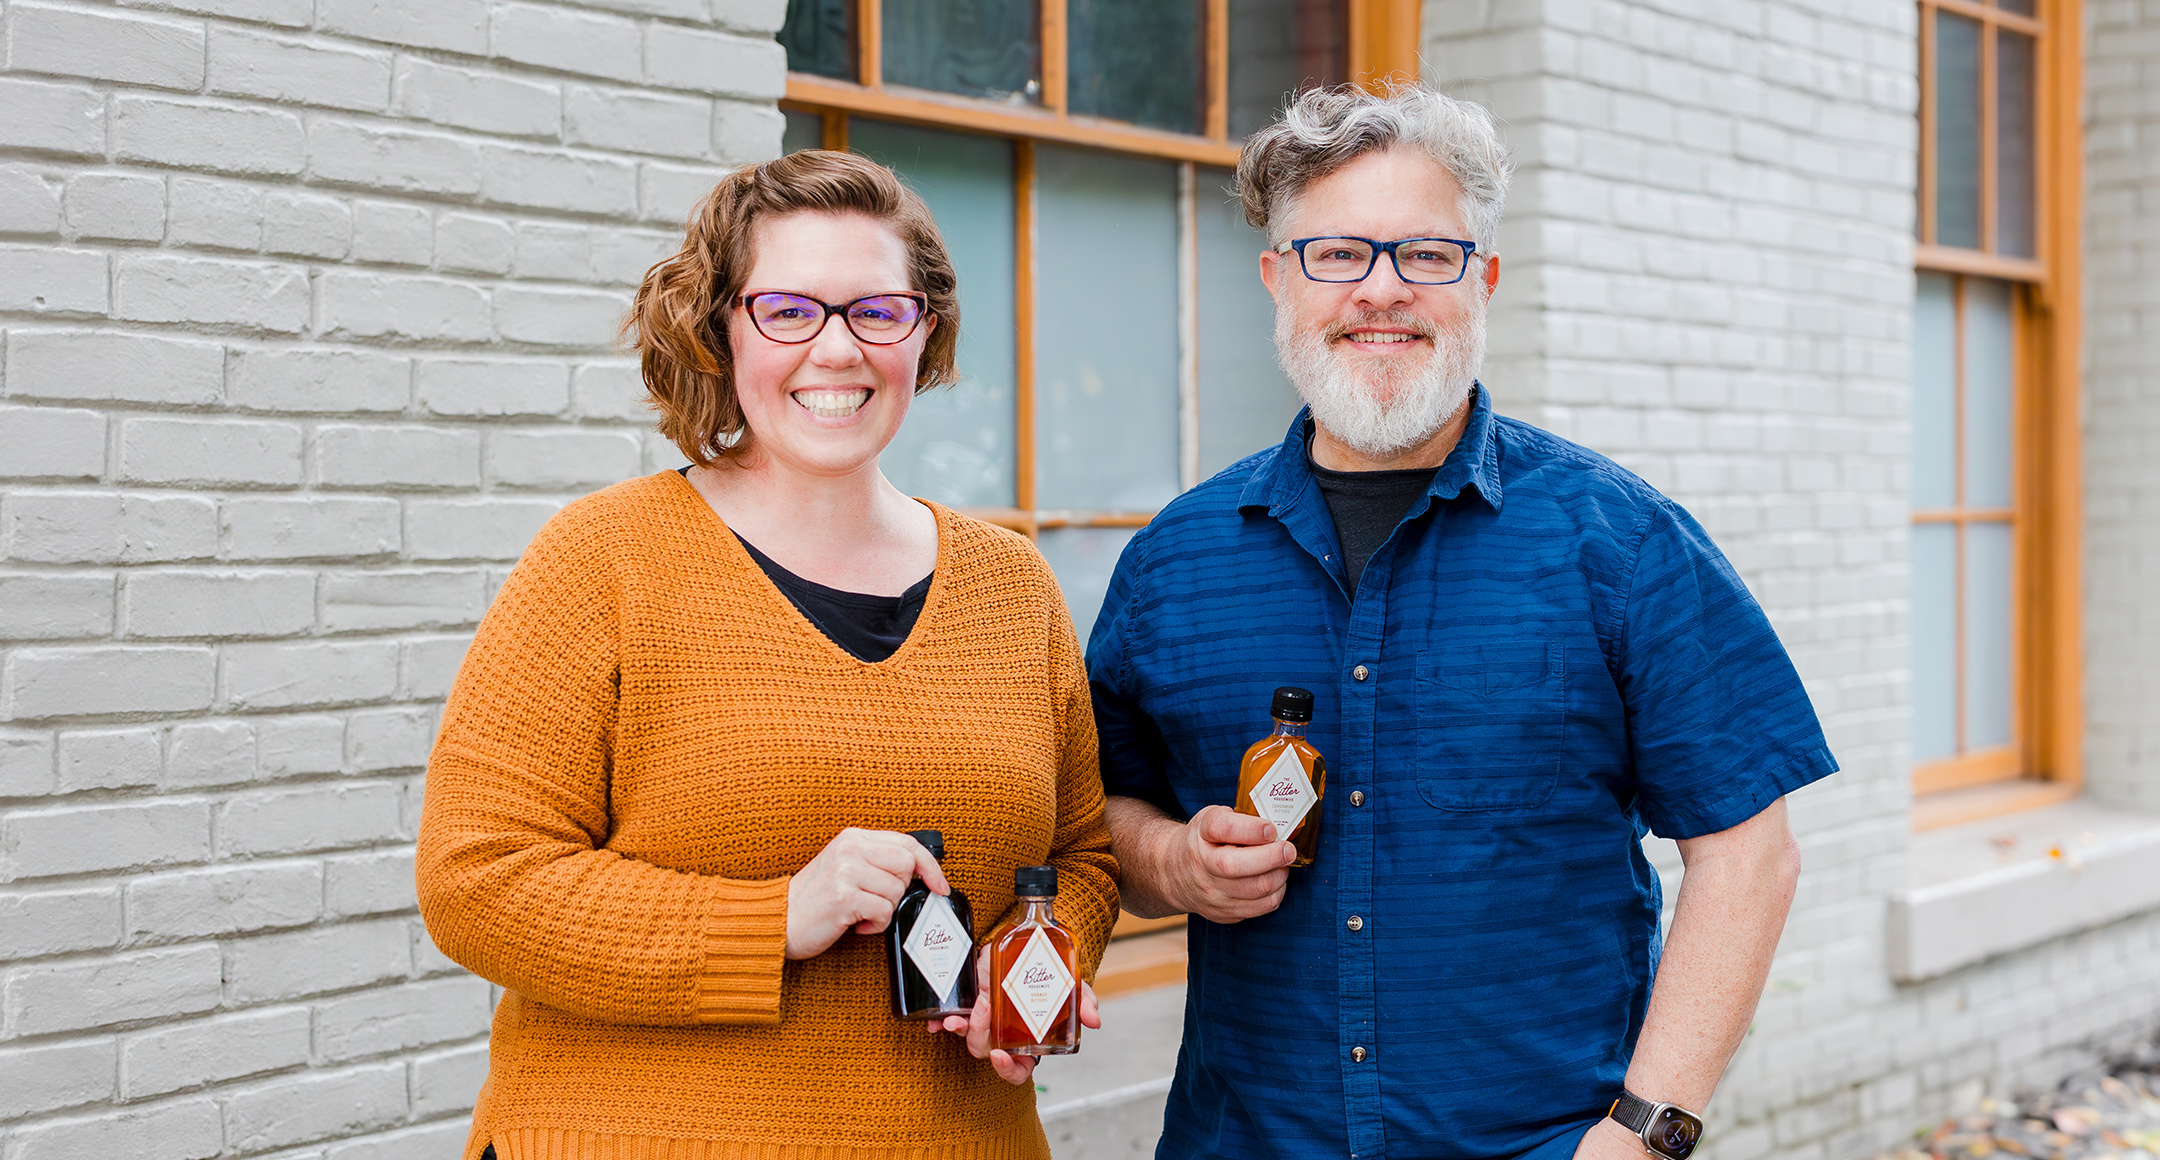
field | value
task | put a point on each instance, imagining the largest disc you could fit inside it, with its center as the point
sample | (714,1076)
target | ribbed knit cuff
(745,951)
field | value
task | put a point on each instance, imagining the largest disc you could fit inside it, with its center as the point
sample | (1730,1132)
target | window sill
(1999,884)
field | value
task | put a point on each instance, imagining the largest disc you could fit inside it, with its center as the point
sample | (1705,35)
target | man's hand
(853,884)
(1223,866)
(1607,1140)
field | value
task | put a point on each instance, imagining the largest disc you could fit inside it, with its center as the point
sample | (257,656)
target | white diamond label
(1038,984)
(1284,795)
(939,946)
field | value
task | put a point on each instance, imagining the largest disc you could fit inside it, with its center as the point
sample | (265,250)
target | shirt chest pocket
(1490,720)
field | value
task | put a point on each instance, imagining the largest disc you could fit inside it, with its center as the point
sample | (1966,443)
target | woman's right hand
(853,884)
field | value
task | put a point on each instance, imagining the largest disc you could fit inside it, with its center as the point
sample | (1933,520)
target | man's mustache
(1402,319)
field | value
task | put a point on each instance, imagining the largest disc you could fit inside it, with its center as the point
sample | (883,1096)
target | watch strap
(1632,1111)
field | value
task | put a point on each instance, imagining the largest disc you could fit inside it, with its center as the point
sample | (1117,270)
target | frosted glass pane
(1987,393)
(1278,47)
(1106,331)
(1934,419)
(1245,402)
(802,131)
(982,48)
(957,445)
(1136,60)
(2014,144)
(1083,559)
(1987,635)
(1934,641)
(1957,130)
(819,36)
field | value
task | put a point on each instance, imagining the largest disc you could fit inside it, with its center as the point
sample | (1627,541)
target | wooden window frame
(2045,761)
(1382,40)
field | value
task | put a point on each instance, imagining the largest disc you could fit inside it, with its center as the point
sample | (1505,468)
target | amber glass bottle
(1034,973)
(1283,776)
(928,948)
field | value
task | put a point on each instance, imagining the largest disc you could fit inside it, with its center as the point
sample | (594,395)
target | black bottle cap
(932,841)
(1293,703)
(1035,882)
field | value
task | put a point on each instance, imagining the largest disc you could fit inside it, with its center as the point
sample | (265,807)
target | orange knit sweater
(645,741)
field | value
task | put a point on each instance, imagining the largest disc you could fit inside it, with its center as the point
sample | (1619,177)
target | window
(1115,337)
(1994,557)
(1115,340)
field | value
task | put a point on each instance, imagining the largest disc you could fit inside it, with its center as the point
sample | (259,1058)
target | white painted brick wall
(306,323)
(1708,275)
(2122,404)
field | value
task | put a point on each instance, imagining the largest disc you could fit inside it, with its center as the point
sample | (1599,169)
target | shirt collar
(1474,463)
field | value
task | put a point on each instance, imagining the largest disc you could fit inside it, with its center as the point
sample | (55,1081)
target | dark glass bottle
(929,947)
(1283,776)
(1034,973)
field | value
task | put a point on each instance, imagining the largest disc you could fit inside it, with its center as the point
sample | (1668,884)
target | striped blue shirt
(1544,660)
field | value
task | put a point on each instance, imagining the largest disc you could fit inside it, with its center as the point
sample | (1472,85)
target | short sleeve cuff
(1743,795)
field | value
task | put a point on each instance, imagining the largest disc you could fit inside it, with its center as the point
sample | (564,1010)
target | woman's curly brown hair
(679,321)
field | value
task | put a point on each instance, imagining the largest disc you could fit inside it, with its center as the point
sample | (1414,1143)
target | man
(1521,657)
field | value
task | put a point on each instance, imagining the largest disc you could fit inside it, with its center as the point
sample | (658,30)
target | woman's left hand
(974,1027)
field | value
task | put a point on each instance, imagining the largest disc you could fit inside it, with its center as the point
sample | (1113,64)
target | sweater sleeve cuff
(745,953)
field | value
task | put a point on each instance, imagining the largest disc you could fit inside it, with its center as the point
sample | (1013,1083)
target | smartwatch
(1668,1130)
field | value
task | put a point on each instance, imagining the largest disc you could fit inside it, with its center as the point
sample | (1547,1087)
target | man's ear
(1271,270)
(1492,274)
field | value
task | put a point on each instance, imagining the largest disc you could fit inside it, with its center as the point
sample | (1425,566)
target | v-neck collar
(733,549)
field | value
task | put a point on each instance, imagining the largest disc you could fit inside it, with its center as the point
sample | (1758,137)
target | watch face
(1674,1133)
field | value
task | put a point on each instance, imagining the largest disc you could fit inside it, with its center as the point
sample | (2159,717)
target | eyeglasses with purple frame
(878,319)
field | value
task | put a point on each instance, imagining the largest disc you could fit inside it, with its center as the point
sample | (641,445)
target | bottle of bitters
(1283,776)
(1034,973)
(928,947)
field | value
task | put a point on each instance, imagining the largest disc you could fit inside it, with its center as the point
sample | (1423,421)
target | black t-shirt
(870,627)
(1367,505)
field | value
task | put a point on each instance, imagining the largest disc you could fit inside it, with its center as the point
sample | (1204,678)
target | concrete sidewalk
(1106,1101)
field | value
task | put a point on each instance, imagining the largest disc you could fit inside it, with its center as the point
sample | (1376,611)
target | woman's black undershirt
(870,628)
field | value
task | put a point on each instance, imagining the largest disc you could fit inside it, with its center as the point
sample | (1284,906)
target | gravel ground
(2093,1116)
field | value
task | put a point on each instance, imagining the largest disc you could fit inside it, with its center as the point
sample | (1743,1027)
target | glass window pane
(1245,402)
(1934,418)
(802,131)
(1957,130)
(980,48)
(1136,60)
(1083,559)
(1934,641)
(1988,378)
(2021,7)
(819,36)
(2014,144)
(1106,331)
(1278,47)
(1987,635)
(957,444)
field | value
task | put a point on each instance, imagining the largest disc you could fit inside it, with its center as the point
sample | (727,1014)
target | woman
(664,811)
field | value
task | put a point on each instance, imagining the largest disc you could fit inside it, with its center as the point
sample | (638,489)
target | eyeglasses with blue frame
(1418,261)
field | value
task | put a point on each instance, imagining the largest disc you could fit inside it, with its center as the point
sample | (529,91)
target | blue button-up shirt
(1546,659)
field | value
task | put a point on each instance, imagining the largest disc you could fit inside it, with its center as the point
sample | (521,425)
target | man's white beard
(1372,409)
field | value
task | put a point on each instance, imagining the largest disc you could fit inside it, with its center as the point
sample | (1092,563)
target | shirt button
(1358,672)
(1357,797)
(1357,1055)
(1356,923)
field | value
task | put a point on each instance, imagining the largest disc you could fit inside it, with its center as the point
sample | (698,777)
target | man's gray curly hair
(1323,130)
